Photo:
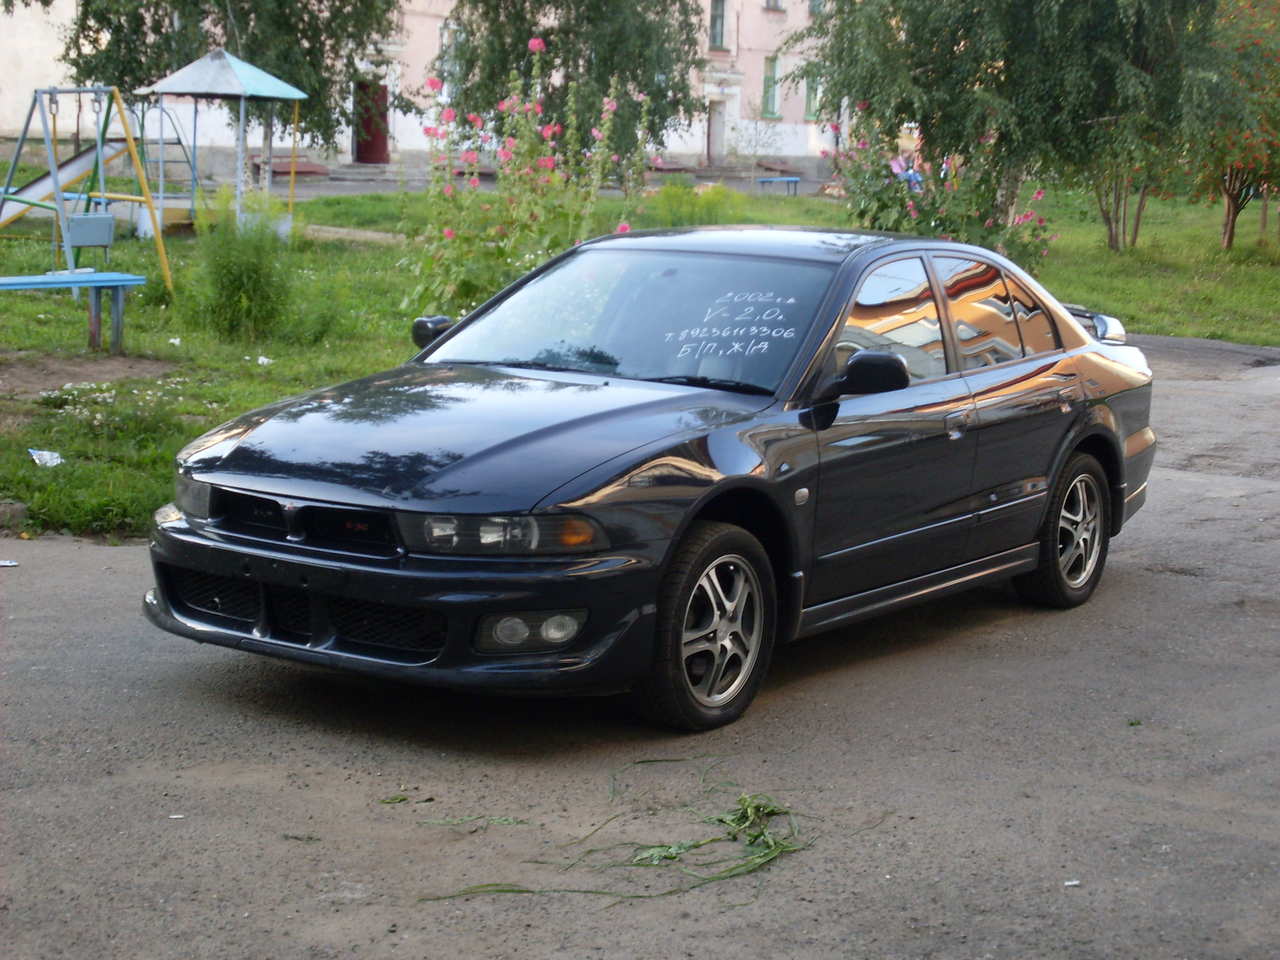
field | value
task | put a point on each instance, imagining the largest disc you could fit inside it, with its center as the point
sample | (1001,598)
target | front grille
(290,611)
(250,515)
(384,625)
(305,617)
(361,531)
(220,596)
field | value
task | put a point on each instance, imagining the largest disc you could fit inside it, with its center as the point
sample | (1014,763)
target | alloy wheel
(722,629)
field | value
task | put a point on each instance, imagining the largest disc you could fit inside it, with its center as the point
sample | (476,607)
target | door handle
(956,423)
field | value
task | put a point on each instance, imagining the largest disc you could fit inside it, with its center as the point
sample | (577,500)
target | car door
(1025,390)
(895,468)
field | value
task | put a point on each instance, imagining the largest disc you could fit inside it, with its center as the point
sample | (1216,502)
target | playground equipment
(93,226)
(220,76)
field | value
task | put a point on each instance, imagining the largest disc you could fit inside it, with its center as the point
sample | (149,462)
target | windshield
(709,319)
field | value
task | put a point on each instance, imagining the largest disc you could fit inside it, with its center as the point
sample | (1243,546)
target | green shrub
(681,205)
(244,275)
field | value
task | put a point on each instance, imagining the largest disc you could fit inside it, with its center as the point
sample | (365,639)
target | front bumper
(411,618)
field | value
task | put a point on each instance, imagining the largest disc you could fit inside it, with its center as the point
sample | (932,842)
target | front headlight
(470,534)
(191,496)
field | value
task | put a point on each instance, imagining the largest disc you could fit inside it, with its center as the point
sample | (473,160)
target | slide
(70,172)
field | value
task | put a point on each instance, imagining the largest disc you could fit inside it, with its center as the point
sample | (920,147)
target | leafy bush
(681,205)
(244,276)
(548,177)
(955,200)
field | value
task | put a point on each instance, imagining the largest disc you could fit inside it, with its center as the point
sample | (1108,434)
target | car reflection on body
(652,461)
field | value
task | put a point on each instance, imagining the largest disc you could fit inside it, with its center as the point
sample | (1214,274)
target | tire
(717,610)
(1074,538)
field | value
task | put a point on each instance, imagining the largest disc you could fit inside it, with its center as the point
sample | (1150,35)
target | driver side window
(895,312)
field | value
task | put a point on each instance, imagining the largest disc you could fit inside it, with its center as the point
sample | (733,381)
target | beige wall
(30,41)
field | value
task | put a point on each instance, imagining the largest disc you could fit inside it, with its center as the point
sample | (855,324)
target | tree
(1046,84)
(651,47)
(1233,119)
(320,46)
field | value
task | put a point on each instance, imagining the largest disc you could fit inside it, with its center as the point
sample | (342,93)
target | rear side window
(1038,332)
(895,312)
(982,314)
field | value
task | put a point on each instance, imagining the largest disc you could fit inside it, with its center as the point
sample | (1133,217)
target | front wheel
(1074,538)
(716,616)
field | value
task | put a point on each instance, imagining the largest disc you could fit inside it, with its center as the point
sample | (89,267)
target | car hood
(463,438)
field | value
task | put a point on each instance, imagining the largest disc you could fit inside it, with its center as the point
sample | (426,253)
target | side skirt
(872,603)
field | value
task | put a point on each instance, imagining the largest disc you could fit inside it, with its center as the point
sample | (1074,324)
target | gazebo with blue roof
(220,76)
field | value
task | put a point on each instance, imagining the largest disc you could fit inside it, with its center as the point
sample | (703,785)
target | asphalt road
(972,778)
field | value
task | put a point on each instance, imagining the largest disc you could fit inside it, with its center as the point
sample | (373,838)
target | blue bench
(792,183)
(95,282)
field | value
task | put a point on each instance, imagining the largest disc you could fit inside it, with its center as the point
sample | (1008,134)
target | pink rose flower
(537,108)
(596,134)
(448,233)
(486,137)
(504,155)
(862,144)
(547,163)
(1038,195)
(475,120)
(435,83)
(990,223)
(429,131)
(448,114)
(610,105)
(469,156)
(863,104)
(614,158)
(1040,222)
(448,189)
(623,228)
(537,45)
(475,183)
(511,143)
(835,128)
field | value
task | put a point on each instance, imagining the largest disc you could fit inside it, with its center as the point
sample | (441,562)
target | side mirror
(868,371)
(426,329)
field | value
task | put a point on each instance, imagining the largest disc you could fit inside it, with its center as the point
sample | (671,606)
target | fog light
(511,631)
(559,629)
(529,632)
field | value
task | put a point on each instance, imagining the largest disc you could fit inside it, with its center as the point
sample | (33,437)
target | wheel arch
(760,515)
(1103,447)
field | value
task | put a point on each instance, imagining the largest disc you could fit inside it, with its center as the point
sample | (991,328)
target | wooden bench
(792,184)
(95,282)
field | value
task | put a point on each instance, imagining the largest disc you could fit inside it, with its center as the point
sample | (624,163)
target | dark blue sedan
(649,463)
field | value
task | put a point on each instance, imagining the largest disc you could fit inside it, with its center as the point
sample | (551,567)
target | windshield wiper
(714,383)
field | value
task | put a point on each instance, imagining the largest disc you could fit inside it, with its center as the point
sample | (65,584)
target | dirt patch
(25,373)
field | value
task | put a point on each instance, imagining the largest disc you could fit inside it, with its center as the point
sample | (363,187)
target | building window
(812,94)
(773,4)
(716,37)
(769,96)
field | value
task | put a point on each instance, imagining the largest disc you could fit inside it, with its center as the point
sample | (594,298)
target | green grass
(1177,281)
(349,320)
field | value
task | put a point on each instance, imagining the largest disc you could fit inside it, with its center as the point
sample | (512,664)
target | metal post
(160,105)
(195,178)
(117,319)
(60,210)
(240,162)
(22,142)
(95,318)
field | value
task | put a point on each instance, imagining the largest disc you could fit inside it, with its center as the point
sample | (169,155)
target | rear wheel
(1074,538)
(716,614)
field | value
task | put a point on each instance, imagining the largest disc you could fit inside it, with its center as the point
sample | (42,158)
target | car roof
(795,243)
